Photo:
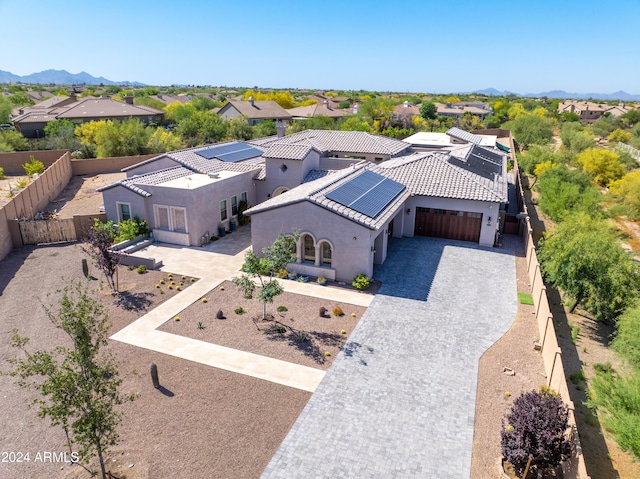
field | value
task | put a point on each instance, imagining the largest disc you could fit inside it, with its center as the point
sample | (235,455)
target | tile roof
(258,109)
(136,183)
(315,192)
(106,108)
(317,174)
(460,134)
(318,109)
(288,151)
(191,159)
(343,142)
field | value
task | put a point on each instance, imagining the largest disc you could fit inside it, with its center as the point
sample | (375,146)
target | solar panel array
(368,193)
(230,152)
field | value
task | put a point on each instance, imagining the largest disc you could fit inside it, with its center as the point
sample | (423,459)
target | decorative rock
(154,375)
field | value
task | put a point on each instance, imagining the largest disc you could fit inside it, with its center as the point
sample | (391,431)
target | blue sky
(402,45)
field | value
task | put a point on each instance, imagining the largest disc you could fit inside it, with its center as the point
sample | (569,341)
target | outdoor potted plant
(221,230)
(322,281)
(292,275)
(303,279)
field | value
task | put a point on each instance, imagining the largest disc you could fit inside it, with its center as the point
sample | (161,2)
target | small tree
(79,384)
(534,432)
(428,110)
(99,241)
(265,270)
(33,166)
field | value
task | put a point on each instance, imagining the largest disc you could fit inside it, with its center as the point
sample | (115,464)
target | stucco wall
(351,242)
(293,175)
(488,230)
(93,166)
(12,162)
(123,195)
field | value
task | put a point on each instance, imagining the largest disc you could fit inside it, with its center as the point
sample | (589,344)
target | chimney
(280,128)
(406,104)
(355,109)
(251,100)
(128,99)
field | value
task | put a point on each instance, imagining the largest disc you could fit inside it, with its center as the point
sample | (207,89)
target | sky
(402,45)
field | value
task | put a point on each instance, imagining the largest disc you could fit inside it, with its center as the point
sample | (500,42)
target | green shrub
(282,309)
(142,269)
(34,166)
(627,340)
(239,310)
(282,273)
(22,183)
(2,173)
(361,282)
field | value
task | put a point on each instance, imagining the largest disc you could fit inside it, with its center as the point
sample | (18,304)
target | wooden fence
(574,467)
(47,231)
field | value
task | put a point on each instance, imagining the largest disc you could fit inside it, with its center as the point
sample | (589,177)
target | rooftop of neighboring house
(322,108)
(72,108)
(327,141)
(582,106)
(460,108)
(258,110)
(406,109)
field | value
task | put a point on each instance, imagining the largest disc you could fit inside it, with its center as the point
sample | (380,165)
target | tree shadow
(597,460)
(309,343)
(137,302)
(353,349)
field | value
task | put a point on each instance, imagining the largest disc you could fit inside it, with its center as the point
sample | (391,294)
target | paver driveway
(399,401)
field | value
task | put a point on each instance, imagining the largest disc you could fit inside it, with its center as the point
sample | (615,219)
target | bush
(239,310)
(282,273)
(282,309)
(220,314)
(361,282)
(142,269)
(1,173)
(322,311)
(34,166)
(535,430)
(337,311)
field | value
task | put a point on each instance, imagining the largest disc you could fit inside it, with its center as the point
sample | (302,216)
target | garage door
(450,224)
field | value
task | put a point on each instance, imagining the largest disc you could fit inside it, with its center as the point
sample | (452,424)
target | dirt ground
(7,185)
(204,422)
(80,197)
(305,339)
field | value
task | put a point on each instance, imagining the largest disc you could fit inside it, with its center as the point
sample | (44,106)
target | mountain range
(61,77)
(619,95)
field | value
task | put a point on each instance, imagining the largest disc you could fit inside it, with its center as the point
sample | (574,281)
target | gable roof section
(343,141)
(316,192)
(318,109)
(465,136)
(136,183)
(288,151)
(106,108)
(441,175)
(258,110)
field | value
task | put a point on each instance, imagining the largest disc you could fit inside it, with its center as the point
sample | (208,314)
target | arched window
(309,248)
(326,253)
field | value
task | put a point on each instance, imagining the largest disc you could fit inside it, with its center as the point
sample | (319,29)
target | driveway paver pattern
(399,400)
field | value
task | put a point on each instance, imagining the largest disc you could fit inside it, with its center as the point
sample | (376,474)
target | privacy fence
(575,467)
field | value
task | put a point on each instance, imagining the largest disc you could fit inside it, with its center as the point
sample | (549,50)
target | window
(309,248)
(456,213)
(243,197)
(439,212)
(326,253)
(234,205)
(474,215)
(223,210)
(124,211)
(178,215)
(162,217)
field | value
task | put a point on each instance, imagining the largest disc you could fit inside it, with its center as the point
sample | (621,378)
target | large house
(589,111)
(342,194)
(30,121)
(254,111)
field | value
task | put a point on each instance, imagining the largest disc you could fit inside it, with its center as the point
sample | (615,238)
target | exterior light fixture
(408,210)
(489,221)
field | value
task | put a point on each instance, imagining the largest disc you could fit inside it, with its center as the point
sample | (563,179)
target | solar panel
(230,152)
(368,193)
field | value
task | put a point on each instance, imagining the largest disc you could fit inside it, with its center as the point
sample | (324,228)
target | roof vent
(406,104)
(214,175)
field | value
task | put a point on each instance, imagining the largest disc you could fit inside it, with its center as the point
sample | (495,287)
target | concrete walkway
(399,400)
(218,262)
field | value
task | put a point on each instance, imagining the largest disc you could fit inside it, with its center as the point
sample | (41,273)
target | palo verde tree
(584,258)
(78,382)
(264,270)
(534,433)
(99,242)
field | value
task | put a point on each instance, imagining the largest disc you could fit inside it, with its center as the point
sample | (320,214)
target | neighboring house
(323,108)
(254,111)
(405,112)
(345,192)
(458,109)
(589,111)
(30,121)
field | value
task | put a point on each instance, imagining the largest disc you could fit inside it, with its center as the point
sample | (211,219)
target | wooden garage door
(450,224)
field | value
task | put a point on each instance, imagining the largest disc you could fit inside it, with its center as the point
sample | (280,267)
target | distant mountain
(619,95)
(61,77)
